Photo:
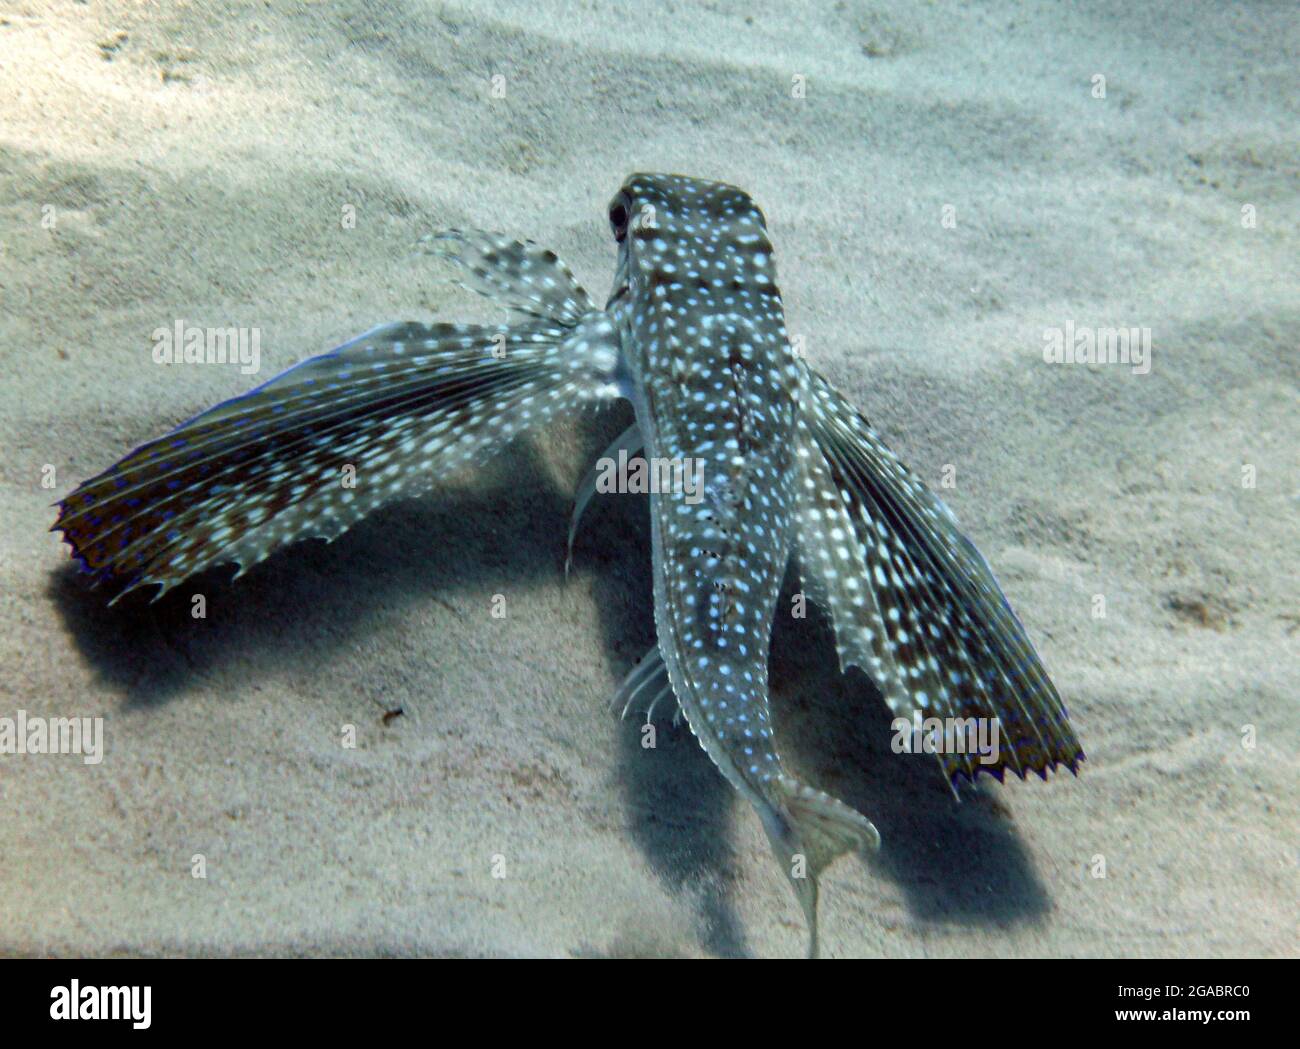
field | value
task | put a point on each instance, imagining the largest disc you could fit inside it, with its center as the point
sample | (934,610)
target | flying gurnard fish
(694,336)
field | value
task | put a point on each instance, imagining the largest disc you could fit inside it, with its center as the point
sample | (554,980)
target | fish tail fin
(313,450)
(808,830)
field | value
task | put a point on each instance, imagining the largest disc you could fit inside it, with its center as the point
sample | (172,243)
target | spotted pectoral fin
(319,446)
(645,688)
(630,442)
(913,602)
(520,274)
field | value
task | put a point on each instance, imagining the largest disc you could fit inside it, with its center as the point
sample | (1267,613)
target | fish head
(689,244)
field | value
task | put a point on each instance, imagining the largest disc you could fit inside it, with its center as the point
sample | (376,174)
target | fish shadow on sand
(955,863)
(505,525)
(680,809)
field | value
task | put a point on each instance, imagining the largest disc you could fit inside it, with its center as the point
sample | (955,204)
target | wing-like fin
(316,448)
(629,441)
(913,602)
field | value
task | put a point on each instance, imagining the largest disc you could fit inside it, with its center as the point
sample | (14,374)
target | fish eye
(618,220)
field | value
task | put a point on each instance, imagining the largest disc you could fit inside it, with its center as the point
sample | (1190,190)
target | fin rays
(520,274)
(651,671)
(401,405)
(230,417)
(913,602)
(329,424)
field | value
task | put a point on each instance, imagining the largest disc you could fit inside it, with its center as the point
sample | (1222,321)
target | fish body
(714,381)
(693,335)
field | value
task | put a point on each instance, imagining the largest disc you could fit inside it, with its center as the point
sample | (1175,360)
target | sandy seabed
(942,185)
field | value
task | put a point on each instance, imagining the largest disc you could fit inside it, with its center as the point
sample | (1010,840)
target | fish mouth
(622,281)
(614,296)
